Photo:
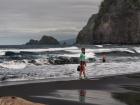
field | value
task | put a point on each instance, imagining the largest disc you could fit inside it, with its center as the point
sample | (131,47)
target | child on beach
(82,63)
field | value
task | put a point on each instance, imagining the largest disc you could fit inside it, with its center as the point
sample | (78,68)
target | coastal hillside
(45,40)
(117,22)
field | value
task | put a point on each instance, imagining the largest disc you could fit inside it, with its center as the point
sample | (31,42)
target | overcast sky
(21,20)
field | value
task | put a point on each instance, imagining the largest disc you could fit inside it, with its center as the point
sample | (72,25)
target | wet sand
(115,90)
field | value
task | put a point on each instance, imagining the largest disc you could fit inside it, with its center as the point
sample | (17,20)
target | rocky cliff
(118,22)
(45,40)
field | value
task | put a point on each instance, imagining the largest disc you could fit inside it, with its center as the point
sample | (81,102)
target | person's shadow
(82,95)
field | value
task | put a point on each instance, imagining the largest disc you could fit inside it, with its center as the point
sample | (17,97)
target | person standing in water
(104,58)
(82,63)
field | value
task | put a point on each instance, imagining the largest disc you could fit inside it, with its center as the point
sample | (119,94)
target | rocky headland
(117,22)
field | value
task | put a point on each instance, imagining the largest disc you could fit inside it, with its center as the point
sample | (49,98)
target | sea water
(20,64)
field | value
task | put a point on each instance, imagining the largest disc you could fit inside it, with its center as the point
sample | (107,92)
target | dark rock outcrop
(45,40)
(10,53)
(48,40)
(32,42)
(118,22)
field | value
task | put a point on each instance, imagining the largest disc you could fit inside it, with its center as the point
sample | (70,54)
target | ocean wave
(93,70)
(117,53)
(66,55)
(136,49)
(32,64)
(68,49)
(100,46)
(13,65)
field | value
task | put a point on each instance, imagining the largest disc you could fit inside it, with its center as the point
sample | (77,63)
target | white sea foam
(88,55)
(25,71)
(42,61)
(137,49)
(71,49)
(93,70)
(100,50)
(99,46)
(2,51)
(113,49)
(65,48)
(13,65)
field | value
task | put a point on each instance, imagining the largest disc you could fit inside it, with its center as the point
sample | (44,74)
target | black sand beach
(115,90)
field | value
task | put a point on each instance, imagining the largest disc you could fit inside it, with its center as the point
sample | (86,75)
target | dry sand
(16,101)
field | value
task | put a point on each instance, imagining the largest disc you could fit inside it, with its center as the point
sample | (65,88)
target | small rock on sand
(16,101)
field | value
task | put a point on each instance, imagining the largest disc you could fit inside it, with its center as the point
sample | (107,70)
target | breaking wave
(31,64)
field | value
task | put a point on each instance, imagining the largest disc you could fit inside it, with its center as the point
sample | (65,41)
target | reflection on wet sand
(82,95)
(130,98)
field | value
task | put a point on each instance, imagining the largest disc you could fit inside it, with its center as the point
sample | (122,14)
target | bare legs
(82,71)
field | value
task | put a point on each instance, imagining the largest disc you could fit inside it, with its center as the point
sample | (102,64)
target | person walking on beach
(82,63)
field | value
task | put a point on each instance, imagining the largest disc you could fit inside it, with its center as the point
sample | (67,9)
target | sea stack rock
(32,42)
(45,40)
(118,22)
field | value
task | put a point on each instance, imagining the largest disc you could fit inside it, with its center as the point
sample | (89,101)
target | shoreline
(52,93)
(63,79)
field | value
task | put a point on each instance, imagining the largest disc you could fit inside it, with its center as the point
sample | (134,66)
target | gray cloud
(25,19)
